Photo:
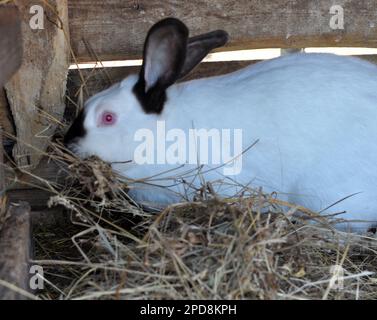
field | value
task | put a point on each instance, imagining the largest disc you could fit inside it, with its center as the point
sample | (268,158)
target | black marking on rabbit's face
(76,131)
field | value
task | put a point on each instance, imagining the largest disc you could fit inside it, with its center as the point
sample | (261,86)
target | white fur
(315,116)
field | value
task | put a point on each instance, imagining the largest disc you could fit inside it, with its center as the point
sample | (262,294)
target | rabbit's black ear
(164,56)
(198,47)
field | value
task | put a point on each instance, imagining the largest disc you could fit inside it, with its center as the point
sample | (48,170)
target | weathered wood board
(10,42)
(36,92)
(116,29)
(15,248)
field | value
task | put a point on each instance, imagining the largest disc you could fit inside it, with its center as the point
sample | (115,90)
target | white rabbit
(311,120)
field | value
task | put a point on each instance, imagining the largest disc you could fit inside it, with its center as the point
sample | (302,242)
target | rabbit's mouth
(77,151)
(74,148)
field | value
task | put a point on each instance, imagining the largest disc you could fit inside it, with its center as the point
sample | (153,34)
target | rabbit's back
(307,62)
(293,88)
(314,117)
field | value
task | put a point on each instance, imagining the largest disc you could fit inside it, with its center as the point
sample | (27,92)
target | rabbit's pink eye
(108,118)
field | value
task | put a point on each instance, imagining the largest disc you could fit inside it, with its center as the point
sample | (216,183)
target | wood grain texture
(10,42)
(116,29)
(15,248)
(36,92)
(26,187)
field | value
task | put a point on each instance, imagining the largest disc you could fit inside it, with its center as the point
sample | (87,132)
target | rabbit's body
(314,124)
(311,118)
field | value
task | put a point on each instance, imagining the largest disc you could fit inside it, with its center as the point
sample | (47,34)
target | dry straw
(247,247)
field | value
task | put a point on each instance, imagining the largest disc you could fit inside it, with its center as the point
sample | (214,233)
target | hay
(242,248)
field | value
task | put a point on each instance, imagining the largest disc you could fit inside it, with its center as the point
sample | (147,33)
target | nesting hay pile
(215,249)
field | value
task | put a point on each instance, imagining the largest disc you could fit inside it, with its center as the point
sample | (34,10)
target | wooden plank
(10,42)
(34,187)
(117,29)
(47,169)
(15,248)
(36,93)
